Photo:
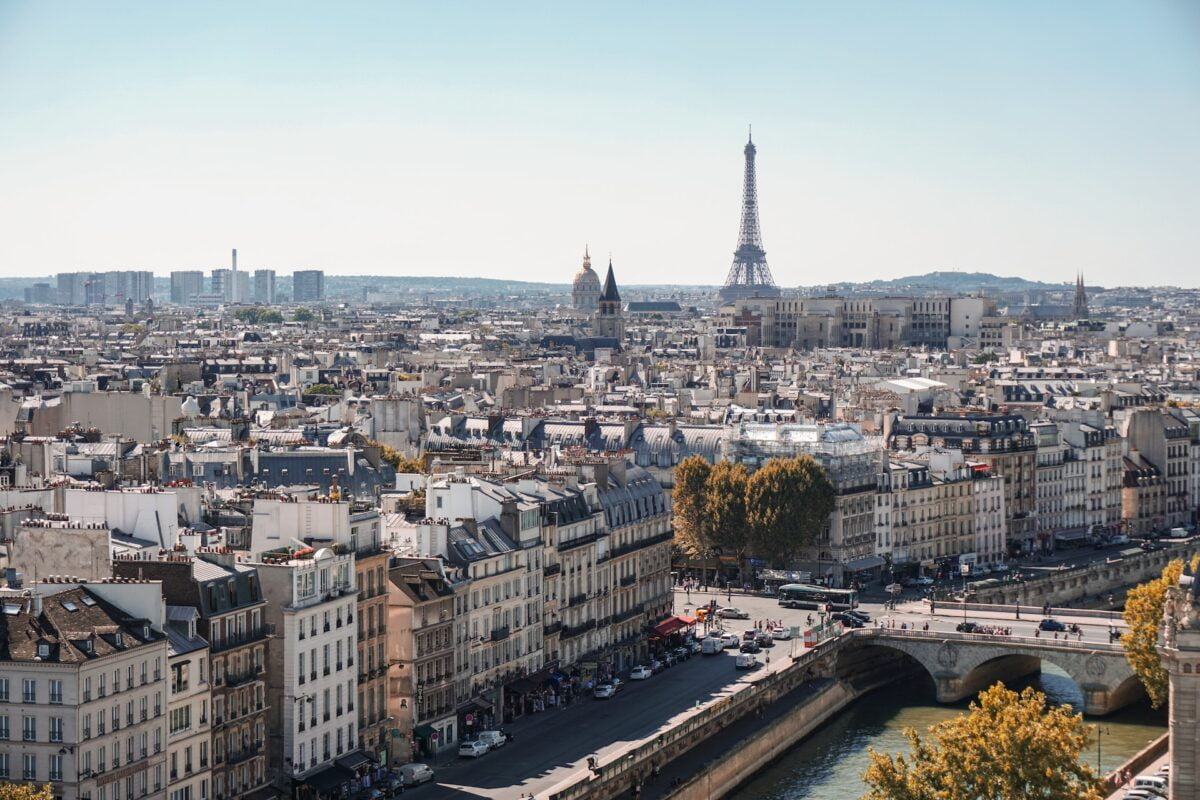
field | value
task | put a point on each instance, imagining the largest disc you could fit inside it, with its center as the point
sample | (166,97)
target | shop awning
(522,686)
(1072,535)
(486,705)
(686,620)
(424,731)
(354,761)
(328,779)
(668,626)
(866,562)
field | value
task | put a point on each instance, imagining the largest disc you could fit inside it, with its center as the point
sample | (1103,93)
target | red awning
(686,620)
(668,626)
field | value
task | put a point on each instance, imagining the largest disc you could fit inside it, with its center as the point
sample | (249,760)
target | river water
(829,764)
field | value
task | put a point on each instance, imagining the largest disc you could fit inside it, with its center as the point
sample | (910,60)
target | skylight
(12,609)
(88,600)
(69,605)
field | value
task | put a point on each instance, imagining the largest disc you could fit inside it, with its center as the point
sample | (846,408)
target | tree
(687,500)
(258,316)
(323,388)
(1006,747)
(1144,615)
(788,502)
(724,510)
(303,315)
(25,791)
(399,461)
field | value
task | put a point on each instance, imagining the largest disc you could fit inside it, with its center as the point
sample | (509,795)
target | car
(750,635)
(731,640)
(683,653)
(472,749)
(371,793)
(763,639)
(847,620)
(656,666)
(781,634)
(413,774)
(712,646)
(1140,794)
(1002,567)
(750,647)
(640,673)
(924,581)
(745,661)
(1153,783)
(603,691)
(668,659)
(729,612)
(493,739)
(857,612)
(966,627)
(1049,624)
(694,645)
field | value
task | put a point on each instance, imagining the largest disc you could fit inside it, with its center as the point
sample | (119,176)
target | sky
(498,139)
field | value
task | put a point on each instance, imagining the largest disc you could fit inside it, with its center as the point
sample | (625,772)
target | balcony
(628,580)
(633,547)
(628,613)
(577,600)
(500,633)
(551,569)
(552,628)
(253,635)
(569,631)
(243,755)
(232,680)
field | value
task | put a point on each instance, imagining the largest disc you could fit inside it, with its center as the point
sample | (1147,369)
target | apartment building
(324,520)
(311,681)
(1164,440)
(83,692)
(1061,490)
(1002,441)
(189,707)
(423,698)
(228,598)
(1099,448)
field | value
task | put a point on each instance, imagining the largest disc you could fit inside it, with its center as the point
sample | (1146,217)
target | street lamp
(1100,731)
(965,570)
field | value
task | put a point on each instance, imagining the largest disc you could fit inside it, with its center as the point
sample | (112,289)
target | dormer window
(119,638)
(43,650)
(145,631)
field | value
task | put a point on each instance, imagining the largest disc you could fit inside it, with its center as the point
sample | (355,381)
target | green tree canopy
(687,500)
(323,388)
(1144,615)
(788,502)
(1006,747)
(303,315)
(258,316)
(724,509)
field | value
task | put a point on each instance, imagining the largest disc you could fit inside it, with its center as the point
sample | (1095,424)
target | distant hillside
(957,282)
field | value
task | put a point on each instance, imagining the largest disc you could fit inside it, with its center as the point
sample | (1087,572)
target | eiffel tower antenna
(749,275)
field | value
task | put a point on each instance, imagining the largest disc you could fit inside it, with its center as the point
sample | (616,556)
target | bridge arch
(962,665)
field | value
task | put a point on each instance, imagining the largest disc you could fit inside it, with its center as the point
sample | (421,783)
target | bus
(803,595)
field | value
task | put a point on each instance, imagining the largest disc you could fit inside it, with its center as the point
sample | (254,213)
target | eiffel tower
(749,275)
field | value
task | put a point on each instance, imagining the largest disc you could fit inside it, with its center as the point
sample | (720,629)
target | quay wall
(1148,756)
(1073,585)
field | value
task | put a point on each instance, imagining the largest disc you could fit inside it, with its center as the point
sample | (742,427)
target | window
(29,767)
(3,690)
(4,726)
(4,765)
(181,719)
(56,729)
(29,690)
(56,765)
(29,729)
(56,692)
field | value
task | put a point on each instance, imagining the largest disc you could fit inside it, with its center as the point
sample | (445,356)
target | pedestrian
(1037,633)
(1018,612)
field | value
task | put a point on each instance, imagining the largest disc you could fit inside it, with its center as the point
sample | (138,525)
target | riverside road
(550,747)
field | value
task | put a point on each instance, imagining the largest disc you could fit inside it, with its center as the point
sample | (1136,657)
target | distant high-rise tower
(234,294)
(1081,303)
(749,276)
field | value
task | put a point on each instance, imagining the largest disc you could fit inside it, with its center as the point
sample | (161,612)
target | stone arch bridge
(963,664)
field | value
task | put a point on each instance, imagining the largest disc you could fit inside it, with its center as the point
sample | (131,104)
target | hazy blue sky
(495,139)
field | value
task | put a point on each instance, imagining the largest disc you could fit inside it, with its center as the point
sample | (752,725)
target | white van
(712,647)
(745,661)
(493,739)
(1154,783)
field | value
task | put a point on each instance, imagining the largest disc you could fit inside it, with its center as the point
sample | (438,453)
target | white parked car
(493,739)
(640,674)
(731,640)
(472,749)
(745,661)
(781,634)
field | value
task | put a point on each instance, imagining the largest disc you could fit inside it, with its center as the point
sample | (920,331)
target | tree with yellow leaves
(1006,747)
(25,791)
(1144,615)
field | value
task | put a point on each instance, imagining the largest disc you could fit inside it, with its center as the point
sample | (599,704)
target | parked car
(656,666)
(745,661)
(1154,783)
(924,581)
(966,627)
(391,784)
(472,749)
(781,634)
(847,620)
(729,612)
(413,774)
(693,645)
(683,653)
(731,640)
(372,793)
(711,646)
(493,739)
(750,647)
(603,691)
(640,673)
(617,683)
(1049,624)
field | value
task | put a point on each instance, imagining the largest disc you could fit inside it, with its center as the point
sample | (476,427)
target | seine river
(829,764)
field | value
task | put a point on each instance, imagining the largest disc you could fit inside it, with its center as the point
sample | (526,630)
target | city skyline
(1028,141)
